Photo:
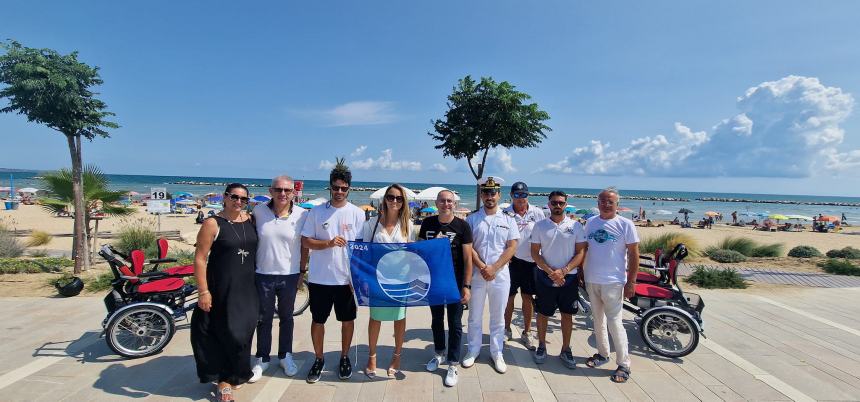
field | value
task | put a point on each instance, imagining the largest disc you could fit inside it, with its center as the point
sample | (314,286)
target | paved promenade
(780,277)
(785,344)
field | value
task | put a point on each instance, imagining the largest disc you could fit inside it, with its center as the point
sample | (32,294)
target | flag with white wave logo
(403,274)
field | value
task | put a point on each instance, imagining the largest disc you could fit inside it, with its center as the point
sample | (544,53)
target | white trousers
(606,306)
(497,291)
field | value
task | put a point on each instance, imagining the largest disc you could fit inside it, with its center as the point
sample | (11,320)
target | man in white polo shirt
(556,286)
(326,231)
(611,265)
(522,266)
(494,241)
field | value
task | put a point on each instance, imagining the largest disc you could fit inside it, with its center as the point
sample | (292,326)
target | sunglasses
(489,191)
(342,189)
(393,198)
(520,195)
(236,197)
(557,203)
(281,190)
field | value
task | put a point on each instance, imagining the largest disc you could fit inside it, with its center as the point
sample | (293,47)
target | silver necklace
(244,239)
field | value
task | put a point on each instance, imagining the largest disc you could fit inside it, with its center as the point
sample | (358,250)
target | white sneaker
(289,365)
(499,364)
(469,361)
(451,377)
(434,363)
(259,367)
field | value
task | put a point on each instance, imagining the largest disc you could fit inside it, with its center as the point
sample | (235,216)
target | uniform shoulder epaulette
(508,213)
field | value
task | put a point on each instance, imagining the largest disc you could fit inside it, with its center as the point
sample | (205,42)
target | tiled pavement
(781,344)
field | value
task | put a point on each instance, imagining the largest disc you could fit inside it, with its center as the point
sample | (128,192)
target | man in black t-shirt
(460,234)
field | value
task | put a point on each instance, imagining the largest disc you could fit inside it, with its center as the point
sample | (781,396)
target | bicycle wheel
(302,299)
(670,333)
(140,331)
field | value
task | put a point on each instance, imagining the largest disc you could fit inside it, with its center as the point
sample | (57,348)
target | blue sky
(678,95)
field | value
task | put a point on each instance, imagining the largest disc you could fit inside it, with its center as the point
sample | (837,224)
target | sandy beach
(32,217)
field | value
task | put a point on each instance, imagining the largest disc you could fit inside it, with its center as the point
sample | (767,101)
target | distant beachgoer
(844,218)
(686,218)
(200,217)
(734,217)
(223,322)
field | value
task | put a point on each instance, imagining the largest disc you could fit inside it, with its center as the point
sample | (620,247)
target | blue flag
(403,274)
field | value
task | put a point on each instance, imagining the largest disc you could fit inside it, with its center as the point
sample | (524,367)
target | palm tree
(96,195)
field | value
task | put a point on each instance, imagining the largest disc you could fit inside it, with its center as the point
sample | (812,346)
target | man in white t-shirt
(611,264)
(554,249)
(522,266)
(326,231)
(494,241)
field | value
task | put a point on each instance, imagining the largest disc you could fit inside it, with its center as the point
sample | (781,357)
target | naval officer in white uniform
(494,242)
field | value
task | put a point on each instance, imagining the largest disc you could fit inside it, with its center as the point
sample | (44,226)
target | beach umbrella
(570,209)
(378,194)
(430,194)
(318,201)
(799,217)
(368,208)
(778,217)
(624,209)
(662,212)
(828,218)
(711,213)
(307,205)
(430,210)
(504,205)
(216,199)
(685,211)
(262,198)
(186,202)
(182,194)
(29,190)
(582,211)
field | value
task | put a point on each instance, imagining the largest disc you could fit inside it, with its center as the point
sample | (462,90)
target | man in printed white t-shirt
(611,265)
(326,231)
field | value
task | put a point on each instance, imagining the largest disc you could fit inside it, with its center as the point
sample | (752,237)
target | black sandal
(621,375)
(596,361)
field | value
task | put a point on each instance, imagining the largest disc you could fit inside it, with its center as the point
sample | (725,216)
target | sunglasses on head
(489,191)
(393,198)
(557,203)
(236,197)
(341,189)
(520,195)
(281,190)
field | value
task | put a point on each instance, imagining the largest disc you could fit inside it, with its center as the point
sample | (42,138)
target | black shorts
(323,297)
(522,276)
(550,298)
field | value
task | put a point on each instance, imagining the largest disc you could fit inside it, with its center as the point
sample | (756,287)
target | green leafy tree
(97,197)
(485,115)
(54,89)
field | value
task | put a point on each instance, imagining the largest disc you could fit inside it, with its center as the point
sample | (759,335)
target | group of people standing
(249,265)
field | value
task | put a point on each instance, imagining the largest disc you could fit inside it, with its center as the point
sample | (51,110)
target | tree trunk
(80,241)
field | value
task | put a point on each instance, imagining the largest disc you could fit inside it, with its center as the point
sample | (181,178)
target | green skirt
(387,313)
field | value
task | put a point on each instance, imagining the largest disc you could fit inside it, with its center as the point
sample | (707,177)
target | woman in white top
(281,261)
(393,225)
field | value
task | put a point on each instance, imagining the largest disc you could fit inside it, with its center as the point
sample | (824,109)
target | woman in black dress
(223,323)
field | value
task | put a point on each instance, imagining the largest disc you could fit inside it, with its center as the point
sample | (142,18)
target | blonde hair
(405,215)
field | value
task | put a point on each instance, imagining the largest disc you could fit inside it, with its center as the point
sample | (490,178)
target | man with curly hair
(326,232)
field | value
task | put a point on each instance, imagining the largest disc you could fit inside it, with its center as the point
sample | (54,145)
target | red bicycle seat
(182,270)
(647,278)
(161,285)
(657,292)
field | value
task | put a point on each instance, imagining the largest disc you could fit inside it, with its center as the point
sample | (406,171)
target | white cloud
(326,165)
(438,167)
(360,113)
(500,161)
(385,162)
(358,151)
(785,128)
